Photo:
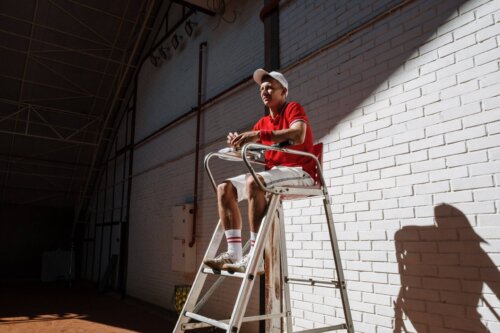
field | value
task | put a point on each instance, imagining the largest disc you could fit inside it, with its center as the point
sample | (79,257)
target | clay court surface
(33,307)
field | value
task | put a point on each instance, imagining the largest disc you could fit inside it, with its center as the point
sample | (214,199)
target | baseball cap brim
(260,73)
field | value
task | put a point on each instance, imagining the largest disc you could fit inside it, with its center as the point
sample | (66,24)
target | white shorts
(277,176)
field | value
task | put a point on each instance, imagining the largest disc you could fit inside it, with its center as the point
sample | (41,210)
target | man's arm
(296,133)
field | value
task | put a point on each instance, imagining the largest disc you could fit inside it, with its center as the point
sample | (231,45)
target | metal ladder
(190,319)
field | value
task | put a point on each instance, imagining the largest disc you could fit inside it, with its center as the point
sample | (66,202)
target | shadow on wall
(443,269)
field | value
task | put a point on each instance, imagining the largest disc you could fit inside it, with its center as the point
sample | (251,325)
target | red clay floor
(33,307)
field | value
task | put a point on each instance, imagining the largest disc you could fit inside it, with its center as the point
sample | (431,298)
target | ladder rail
(285,287)
(257,146)
(338,264)
(247,155)
(200,278)
(221,155)
(247,283)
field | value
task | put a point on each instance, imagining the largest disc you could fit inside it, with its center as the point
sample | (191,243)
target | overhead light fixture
(176,41)
(189,27)
(164,52)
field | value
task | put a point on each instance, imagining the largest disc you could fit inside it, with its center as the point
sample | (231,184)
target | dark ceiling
(61,64)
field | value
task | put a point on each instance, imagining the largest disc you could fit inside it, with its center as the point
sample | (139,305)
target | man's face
(272,93)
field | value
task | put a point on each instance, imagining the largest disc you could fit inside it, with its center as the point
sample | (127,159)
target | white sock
(233,238)
(253,237)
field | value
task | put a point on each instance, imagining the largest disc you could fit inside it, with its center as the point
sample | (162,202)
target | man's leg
(257,205)
(227,200)
(229,213)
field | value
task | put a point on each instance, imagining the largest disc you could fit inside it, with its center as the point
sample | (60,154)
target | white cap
(259,73)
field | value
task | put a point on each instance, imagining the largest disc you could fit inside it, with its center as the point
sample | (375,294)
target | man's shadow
(443,269)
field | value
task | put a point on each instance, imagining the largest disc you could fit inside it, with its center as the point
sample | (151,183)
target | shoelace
(224,255)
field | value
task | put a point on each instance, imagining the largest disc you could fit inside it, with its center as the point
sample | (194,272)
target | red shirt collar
(277,118)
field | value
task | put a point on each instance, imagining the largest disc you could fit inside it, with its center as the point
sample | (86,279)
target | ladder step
(314,282)
(191,326)
(325,329)
(207,320)
(223,273)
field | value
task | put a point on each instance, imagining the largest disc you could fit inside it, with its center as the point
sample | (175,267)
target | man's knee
(252,187)
(226,192)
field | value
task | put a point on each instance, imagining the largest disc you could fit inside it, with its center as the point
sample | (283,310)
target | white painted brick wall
(435,124)
(409,112)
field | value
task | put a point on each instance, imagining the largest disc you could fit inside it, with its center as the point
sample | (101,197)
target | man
(286,122)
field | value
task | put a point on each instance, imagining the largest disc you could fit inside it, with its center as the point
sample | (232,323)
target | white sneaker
(241,265)
(218,262)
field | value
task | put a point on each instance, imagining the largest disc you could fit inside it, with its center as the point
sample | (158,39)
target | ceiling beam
(62,47)
(38,174)
(62,76)
(35,54)
(40,84)
(42,161)
(83,24)
(34,189)
(101,11)
(21,90)
(47,108)
(38,25)
(76,142)
(29,121)
(54,99)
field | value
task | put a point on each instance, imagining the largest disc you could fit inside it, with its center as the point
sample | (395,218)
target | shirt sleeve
(295,112)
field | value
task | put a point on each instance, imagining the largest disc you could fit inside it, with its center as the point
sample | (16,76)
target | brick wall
(409,112)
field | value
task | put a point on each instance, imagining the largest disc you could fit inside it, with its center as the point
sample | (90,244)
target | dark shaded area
(443,269)
(25,233)
(36,307)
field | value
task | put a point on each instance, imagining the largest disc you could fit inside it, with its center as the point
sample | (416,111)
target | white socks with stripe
(253,237)
(234,248)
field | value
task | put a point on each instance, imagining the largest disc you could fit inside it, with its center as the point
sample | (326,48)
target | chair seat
(316,188)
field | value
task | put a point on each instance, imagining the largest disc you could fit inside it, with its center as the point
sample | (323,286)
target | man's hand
(237,140)
(230,137)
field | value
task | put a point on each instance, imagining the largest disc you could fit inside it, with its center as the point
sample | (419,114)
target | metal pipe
(268,9)
(113,188)
(262,147)
(122,204)
(126,226)
(203,47)
(94,234)
(103,221)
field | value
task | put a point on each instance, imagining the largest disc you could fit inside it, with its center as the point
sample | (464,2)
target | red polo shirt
(292,113)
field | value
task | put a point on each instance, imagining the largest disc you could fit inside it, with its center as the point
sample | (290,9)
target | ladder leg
(285,287)
(200,279)
(338,263)
(248,281)
(272,279)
